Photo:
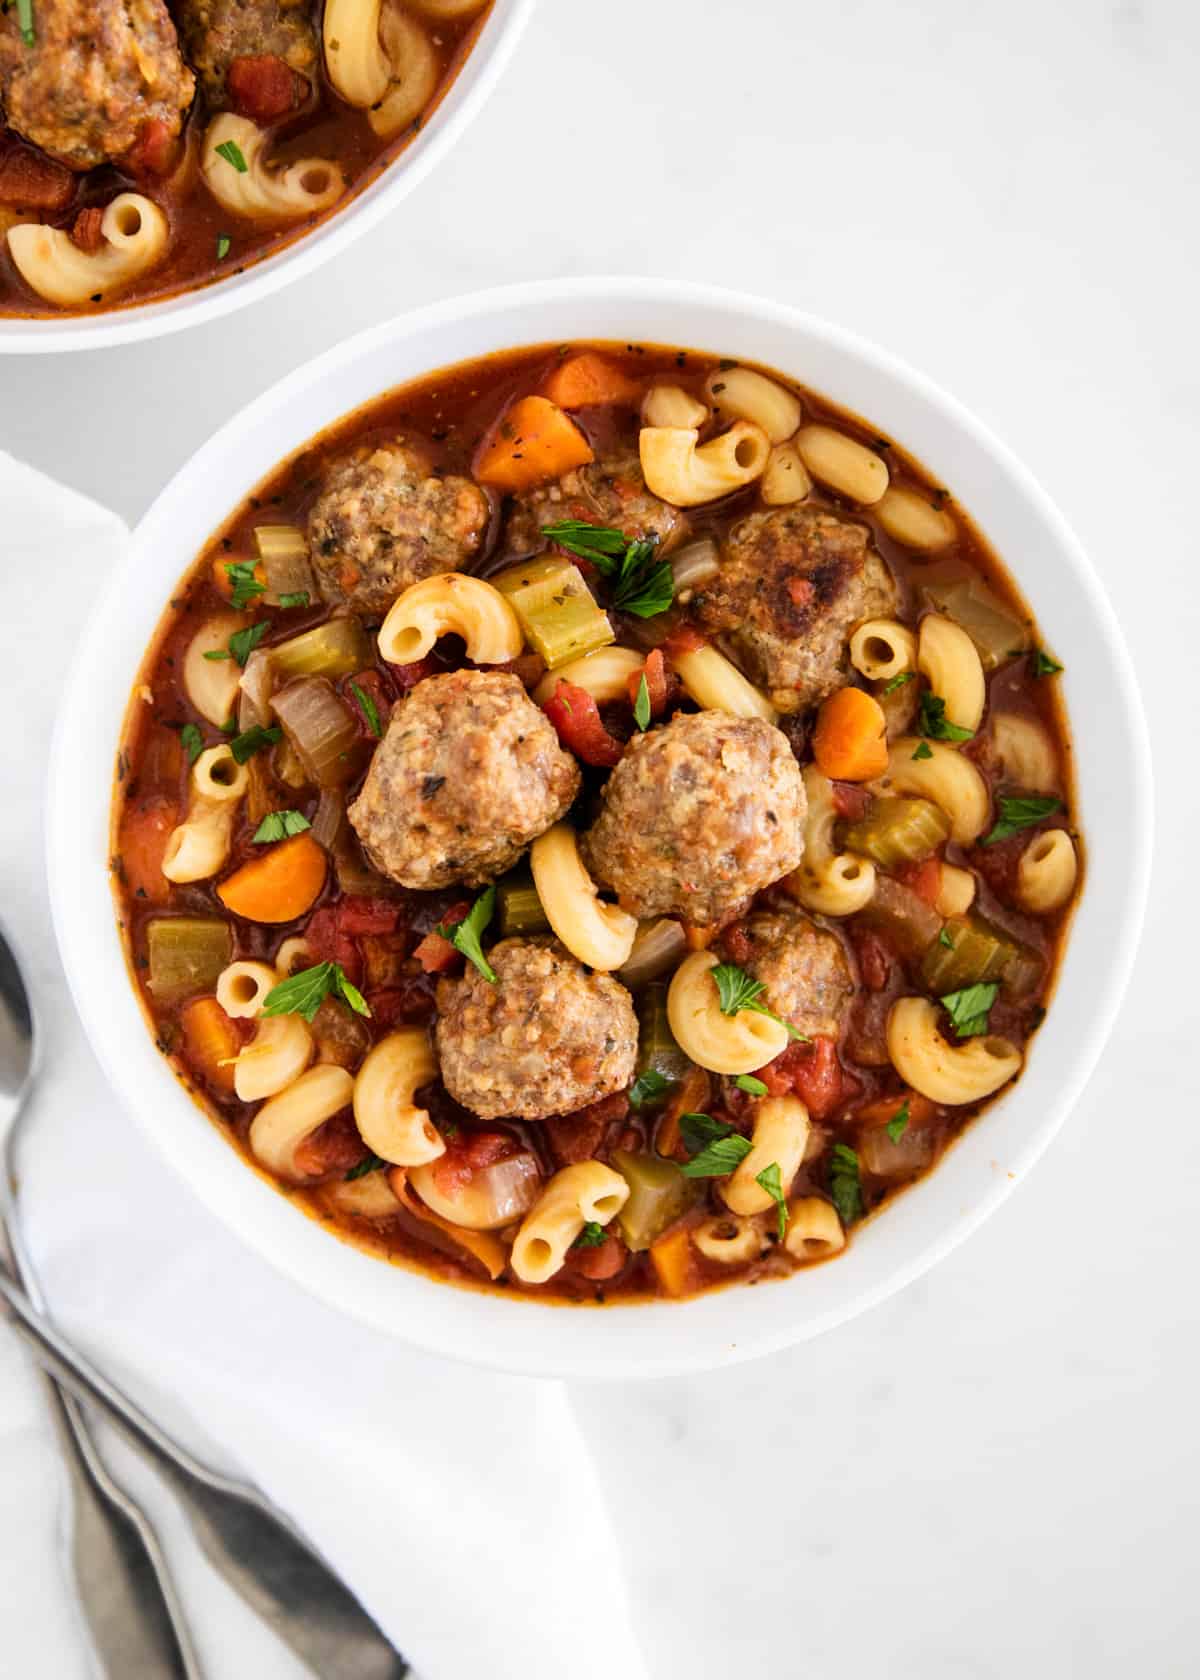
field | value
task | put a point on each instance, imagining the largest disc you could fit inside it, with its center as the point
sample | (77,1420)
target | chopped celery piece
(978,952)
(556,609)
(283,550)
(186,954)
(518,907)
(279,541)
(336,648)
(658,1194)
(902,916)
(897,831)
(997,632)
(657,1049)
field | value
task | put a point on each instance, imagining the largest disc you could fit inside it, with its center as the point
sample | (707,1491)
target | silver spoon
(246,1540)
(132,1613)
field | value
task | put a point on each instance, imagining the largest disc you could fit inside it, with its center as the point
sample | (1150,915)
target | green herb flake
(898,1124)
(299,599)
(898,681)
(232,153)
(945,939)
(1043,665)
(1016,814)
(924,750)
(25,22)
(465,935)
(968,1009)
(747,1082)
(648,1087)
(933,722)
(349,993)
(770,1179)
(243,642)
(192,742)
(304,993)
(697,1130)
(223,244)
(641,706)
(246,587)
(373,1163)
(218,653)
(719,1158)
(591,1236)
(844,1186)
(599,544)
(280,825)
(738,991)
(369,709)
(253,740)
(641,583)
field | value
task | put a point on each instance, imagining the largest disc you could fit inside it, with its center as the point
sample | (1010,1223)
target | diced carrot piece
(142,844)
(850,740)
(210,1041)
(671,1257)
(280,885)
(591,381)
(692,1096)
(533,441)
(883,1109)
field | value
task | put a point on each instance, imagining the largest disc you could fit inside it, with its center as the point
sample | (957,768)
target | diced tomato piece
(331,943)
(154,151)
(850,801)
(141,845)
(576,716)
(408,676)
(601,1262)
(874,958)
(263,87)
(32,181)
(408,1003)
(384,956)
(368,915)
(813,1073)
(655,673)
(735,942)
(333,1147)
(576,1137)
(85,231)
(467,1153)
(998,864)
(369,684)
(684,640)
(925,878)
(435,954)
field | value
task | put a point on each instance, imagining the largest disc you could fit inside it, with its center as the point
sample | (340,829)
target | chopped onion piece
(321,729)
(283,550)
(658,947)
(330,814)
(695,564)
(254,700)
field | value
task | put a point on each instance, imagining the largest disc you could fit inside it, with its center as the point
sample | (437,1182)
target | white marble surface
(995,1473)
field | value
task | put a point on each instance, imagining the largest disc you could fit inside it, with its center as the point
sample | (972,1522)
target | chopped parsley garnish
(641,706)
(945,939)
(232,153)
(253,740)
(373,1163)
(924,750)
(192,742)
(298,599)
(968,1009)
(697,1130)
(648,1087)
(1016,814)
(898,1124)
(641,583)
(223,244)
(591,1236)
(25,22)
(747,1082)
(844,1186)
(933,722)
(280,825)
(1043,665)
(246,586)
(305,992)
(369,709)
(719,1158)
(218,653)
(465,935)
(898,681)
(243,642)
(770,1179)
(738,991)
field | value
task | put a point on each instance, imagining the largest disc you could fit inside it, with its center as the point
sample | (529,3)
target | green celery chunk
(336,648)
(658,1195)
(897,831)
(977,953)
(518,907)
(186,954)
(558,614)
(657,1049)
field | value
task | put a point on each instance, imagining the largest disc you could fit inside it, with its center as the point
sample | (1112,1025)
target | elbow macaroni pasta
(587,1193)
(672,406)
(814,1230)
(909,519)
(413,70)
(944,776)
(135,234)
(600,935)
(282,1046)
(451,604)
(354,57)
(368,1197)
(243,987)
(1025,749)
(730,1239)
(1047,872)
(199,846)
(717,685)
(946,1073)
(604,674)
(780,1135)
(956,891)
(282,1124)
(883,648)
(831,883)
(741,394)
(685,472)
(389,1122)
(259,192)
(212,684)
(949,661)
(785,479)
(846,466)
(721,1043)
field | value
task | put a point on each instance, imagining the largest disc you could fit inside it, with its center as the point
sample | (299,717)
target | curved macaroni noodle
(814,1230)
(721,1043)
(956,891)
(785,479)
(199,846)
(672,406)
(1027,752)
(831,883)
(846,466)
(259,192)
(283,1123)
(949,661)
(587,1193)
(242,988)
(451,604)
(730,1239)
(945,1073)
(600,935)
(354,57)
(781,1136)
(388,1119)
(909,519)
(946,777)
(413,68)
(882,648)
(741,394)
(276,1056)
(135,235)
(718,686)
(212,684)
(686,473)
(1047,872)
(604,674)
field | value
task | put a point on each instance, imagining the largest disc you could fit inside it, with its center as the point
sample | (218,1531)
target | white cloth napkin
(462,1508)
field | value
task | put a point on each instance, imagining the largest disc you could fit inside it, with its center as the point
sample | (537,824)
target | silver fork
(133,1617)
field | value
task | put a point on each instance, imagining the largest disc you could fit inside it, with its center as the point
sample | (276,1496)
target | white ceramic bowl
(462,104)
(994,1154)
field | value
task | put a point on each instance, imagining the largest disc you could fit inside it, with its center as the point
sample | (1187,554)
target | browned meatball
(699,816)
(215,32)
(611,491)
(792,586)
(383,522)
(469,772)
(97,72)
(803,967)
(546,1039)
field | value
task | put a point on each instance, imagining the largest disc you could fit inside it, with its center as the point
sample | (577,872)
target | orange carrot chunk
(141,846)
(671,1257)
(850,740)
(210,1041)
(533,442)
(591,381)
(280,885)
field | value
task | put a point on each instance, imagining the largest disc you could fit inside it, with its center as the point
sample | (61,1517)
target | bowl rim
(158,317)
(655,1339)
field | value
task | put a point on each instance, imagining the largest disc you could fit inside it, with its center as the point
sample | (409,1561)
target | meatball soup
(596,825)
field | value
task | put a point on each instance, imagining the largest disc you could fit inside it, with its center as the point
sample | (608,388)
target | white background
(995,1473)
